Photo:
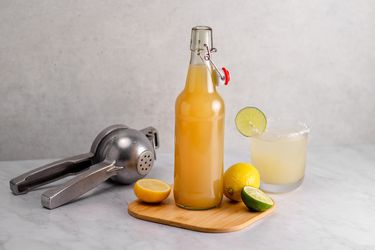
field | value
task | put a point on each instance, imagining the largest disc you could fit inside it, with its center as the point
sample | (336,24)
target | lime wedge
(255,199)
(250,121)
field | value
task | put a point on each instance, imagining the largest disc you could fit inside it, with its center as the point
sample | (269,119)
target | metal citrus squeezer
(118,152)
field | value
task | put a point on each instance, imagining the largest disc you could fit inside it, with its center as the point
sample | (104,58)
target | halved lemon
(151,190)
(250,121)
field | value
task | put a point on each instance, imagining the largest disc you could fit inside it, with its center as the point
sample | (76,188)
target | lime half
(250,121)
(255,199)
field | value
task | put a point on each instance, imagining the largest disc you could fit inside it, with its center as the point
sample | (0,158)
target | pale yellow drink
(280,156)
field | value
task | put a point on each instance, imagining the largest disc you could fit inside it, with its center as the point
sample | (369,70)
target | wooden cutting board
(226,218)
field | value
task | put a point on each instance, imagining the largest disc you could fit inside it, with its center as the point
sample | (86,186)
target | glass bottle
(199,131)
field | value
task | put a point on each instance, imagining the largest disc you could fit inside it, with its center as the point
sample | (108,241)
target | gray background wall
(70,68)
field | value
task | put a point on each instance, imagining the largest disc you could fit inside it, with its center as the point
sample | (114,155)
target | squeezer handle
(49,173)
(79,185)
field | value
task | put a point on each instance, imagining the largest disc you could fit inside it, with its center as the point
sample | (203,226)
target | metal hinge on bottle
(223,75)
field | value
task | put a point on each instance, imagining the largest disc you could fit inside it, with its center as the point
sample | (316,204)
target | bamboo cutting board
(226,218)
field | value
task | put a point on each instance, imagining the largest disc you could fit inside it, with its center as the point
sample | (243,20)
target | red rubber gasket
(227,75)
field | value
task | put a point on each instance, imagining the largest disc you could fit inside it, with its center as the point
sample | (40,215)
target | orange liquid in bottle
(199,141)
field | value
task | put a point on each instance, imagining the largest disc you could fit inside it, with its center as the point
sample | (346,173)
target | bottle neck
(195,59)
(199,78)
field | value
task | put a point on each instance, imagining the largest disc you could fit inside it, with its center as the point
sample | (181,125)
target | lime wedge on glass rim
(255,199)
(251,121)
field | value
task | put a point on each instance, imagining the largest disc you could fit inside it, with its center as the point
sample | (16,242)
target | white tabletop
(333,209)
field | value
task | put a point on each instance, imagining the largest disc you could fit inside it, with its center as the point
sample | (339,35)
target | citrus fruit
(255,199)
(238,176)
(250,121)
(151,190)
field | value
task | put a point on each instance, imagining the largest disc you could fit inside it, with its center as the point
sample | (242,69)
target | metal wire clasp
(224,78)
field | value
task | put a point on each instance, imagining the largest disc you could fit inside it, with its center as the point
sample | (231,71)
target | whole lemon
(237,176)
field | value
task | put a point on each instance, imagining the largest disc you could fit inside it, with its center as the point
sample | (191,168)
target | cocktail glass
(280,155)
